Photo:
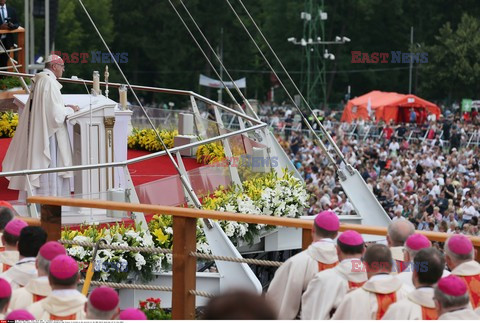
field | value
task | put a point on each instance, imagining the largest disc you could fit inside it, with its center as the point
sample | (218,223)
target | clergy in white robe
(30,240)
(419,304)
(103,304)
(6,215)
(291,279)
(41,139)
(5,294)
(452,299)
(397,234)
(371,301)
(38,288)
(327,289)
(10,255)
(459,255)
(65,302)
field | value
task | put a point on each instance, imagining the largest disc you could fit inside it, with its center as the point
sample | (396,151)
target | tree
(453,67)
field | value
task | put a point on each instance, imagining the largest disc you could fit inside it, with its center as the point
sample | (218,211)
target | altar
(98,134)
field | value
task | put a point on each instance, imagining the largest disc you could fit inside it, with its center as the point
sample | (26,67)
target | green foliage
(161,52)
(11,82)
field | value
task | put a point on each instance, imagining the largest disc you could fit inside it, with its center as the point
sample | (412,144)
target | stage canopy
(388,106)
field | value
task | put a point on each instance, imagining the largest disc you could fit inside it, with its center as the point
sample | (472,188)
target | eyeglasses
(61,65)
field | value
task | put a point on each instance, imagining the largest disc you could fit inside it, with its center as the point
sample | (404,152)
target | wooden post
(184,268)
(21,54)
(51,221)
(306,238)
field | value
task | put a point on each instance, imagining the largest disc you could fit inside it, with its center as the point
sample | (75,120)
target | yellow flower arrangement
(8,124)
(210,153)
(146,139)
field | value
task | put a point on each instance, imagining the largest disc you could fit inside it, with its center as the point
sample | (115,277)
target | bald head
(398,232)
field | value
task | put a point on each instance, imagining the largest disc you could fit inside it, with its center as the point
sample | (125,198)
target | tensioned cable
(322,145)
(216,56)
(185,182)
(327,135)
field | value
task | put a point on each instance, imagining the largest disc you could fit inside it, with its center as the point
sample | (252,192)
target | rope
(239,260)
(202,294)
(130,286)
(112,247)
(147,287)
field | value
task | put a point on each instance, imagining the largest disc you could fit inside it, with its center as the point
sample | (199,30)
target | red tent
(388,106)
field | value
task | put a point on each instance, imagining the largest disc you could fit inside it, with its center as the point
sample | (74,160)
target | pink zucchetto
(351,238)
(132,314)
(15,226)
(63,267)
(327,220)
(418,241)
(460,244)
(20,315)
(52,249)
(5,289)
(104,299)
(452,285)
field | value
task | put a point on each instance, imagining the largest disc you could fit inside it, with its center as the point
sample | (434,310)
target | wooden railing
(184,239)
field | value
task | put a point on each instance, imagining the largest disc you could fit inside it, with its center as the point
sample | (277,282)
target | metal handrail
(145,88)
(133,160)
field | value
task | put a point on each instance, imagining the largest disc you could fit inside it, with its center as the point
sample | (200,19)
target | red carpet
(5,193)
(142,172)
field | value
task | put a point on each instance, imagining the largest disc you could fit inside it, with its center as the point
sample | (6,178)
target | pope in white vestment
(41,139)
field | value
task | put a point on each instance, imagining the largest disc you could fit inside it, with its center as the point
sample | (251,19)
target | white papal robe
(8,258)
(291,279)
(34,291)
(463,314)
(470,272)
(327,289)
(418,305)
(21,273)
(41,139)
(64,304)
(363,303)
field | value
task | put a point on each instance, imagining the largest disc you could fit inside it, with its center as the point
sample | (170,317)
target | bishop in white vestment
(419,304)
(37,288)
(371,301)
(327,289)
(65,302)
(41,139)
(452,299)
(291,279)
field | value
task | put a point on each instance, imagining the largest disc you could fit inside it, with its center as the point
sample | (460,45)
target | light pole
(316,55)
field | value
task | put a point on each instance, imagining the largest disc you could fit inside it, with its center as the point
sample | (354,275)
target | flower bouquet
(153,311)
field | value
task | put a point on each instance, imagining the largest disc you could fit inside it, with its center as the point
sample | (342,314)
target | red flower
(143,304)
(151,299)
(157,300)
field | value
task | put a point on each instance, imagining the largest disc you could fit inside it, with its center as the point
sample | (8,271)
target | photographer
(9,21)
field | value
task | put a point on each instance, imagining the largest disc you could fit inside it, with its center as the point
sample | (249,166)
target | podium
(98,134)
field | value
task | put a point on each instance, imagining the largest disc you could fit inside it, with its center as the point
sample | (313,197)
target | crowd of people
(433,181)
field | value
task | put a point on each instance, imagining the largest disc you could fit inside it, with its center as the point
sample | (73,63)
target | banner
(466,105)
(207,81)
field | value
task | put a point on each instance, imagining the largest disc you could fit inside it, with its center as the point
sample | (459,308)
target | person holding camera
(9,21)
